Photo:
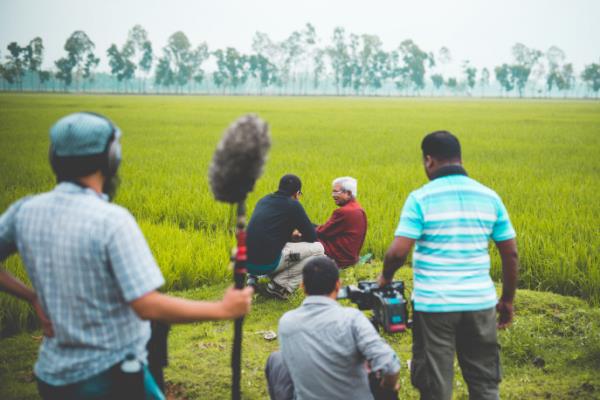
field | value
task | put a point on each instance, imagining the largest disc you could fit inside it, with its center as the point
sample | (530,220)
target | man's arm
(394,258)
(15,287)
(161,307)
(380,355)
(510,268)
(304,225)
(333,226)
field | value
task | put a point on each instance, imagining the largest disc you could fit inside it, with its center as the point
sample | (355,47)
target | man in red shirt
(343,234)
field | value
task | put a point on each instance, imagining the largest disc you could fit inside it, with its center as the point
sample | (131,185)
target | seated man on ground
(325,347)
(270,252)
(343,234)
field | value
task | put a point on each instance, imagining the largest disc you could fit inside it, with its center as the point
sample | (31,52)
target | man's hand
(236,303)
(296,236)
(46,323)
(510,267)
(391,382)
(505,313)
(18,289)
(382,281)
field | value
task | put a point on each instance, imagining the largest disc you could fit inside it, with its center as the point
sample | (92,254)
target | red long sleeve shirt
(344,233)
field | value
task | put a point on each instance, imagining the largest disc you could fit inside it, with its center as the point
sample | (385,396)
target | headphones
(111,154)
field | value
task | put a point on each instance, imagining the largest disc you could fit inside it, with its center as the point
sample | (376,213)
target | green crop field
(541,157)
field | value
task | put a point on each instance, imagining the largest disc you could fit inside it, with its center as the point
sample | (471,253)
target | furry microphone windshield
(239,159)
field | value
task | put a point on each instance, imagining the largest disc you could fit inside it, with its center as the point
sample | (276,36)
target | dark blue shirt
(274,219)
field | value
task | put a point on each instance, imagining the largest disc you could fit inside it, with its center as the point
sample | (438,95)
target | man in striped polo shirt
(451,219)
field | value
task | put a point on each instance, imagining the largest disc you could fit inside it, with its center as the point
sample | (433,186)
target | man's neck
(448,169)
(94,181)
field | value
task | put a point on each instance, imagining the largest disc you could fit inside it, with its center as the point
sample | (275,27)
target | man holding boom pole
(93,272)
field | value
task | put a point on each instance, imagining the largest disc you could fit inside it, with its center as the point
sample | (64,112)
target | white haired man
(343,234)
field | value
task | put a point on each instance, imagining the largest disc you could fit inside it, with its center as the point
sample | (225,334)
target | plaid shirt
(87,259)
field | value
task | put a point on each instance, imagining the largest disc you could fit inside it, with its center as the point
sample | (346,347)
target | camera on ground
(388,303)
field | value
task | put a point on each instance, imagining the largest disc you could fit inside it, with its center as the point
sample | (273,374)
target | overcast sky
(479,30)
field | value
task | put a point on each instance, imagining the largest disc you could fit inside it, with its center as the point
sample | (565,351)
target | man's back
(86,259)
(325,347)
(453,218)
(273,220)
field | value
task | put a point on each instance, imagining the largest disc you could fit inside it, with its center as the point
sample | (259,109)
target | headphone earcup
(52,158)
(113,157)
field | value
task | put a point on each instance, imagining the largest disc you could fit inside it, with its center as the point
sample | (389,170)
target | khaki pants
(472,336)
(294,257)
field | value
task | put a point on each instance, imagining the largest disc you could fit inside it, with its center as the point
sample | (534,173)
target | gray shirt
(325,346)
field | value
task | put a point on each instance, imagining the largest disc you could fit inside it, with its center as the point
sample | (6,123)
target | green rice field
(542,157)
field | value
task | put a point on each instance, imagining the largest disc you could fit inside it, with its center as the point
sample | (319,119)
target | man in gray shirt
(326,347)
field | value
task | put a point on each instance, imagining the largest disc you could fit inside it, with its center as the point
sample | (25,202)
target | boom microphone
(236,165)
(239,159)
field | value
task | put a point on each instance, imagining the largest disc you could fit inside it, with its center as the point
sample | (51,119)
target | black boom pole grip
(239,278)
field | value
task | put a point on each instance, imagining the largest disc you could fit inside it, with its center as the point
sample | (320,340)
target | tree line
(349,64)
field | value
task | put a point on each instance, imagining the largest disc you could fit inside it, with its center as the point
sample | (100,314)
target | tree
(525,58)
(164,75)
(65,71)
(591,76)
(414,60)
(263,70)
(470,74)
(519,74)
(319,66)
(14,69)
(444,55)
(139,48)
(34,54)
(338,55)
(566,78)
(484,79)
(198,56)
(438,81)
(555,57)
(120,64)
(180,63)
(232,68)
(503,76)
(80,57)
(452,84)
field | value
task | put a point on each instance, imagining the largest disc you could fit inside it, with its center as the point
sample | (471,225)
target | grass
(540,156)
(551,351)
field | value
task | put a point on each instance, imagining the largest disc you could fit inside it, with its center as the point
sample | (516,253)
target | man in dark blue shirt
(270,252)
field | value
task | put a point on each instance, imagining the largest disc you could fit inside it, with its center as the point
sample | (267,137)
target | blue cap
(81,134)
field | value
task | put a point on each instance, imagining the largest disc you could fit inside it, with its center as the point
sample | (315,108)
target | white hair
(347,183)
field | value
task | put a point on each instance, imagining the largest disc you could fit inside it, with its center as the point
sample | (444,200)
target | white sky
(479,30)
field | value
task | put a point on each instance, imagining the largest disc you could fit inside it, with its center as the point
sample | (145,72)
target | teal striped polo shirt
(452,219)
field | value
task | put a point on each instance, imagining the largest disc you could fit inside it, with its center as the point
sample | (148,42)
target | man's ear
(428,161)
(302,287)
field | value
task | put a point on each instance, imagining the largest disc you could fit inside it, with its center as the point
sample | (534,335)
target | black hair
(289,184)
(441,145)
(320,276)
(69,168)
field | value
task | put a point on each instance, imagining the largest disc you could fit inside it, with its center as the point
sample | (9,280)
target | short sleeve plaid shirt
(87,259)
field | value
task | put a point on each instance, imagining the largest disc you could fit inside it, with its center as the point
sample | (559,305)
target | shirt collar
(449,170)
(71,187)
(315,299)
